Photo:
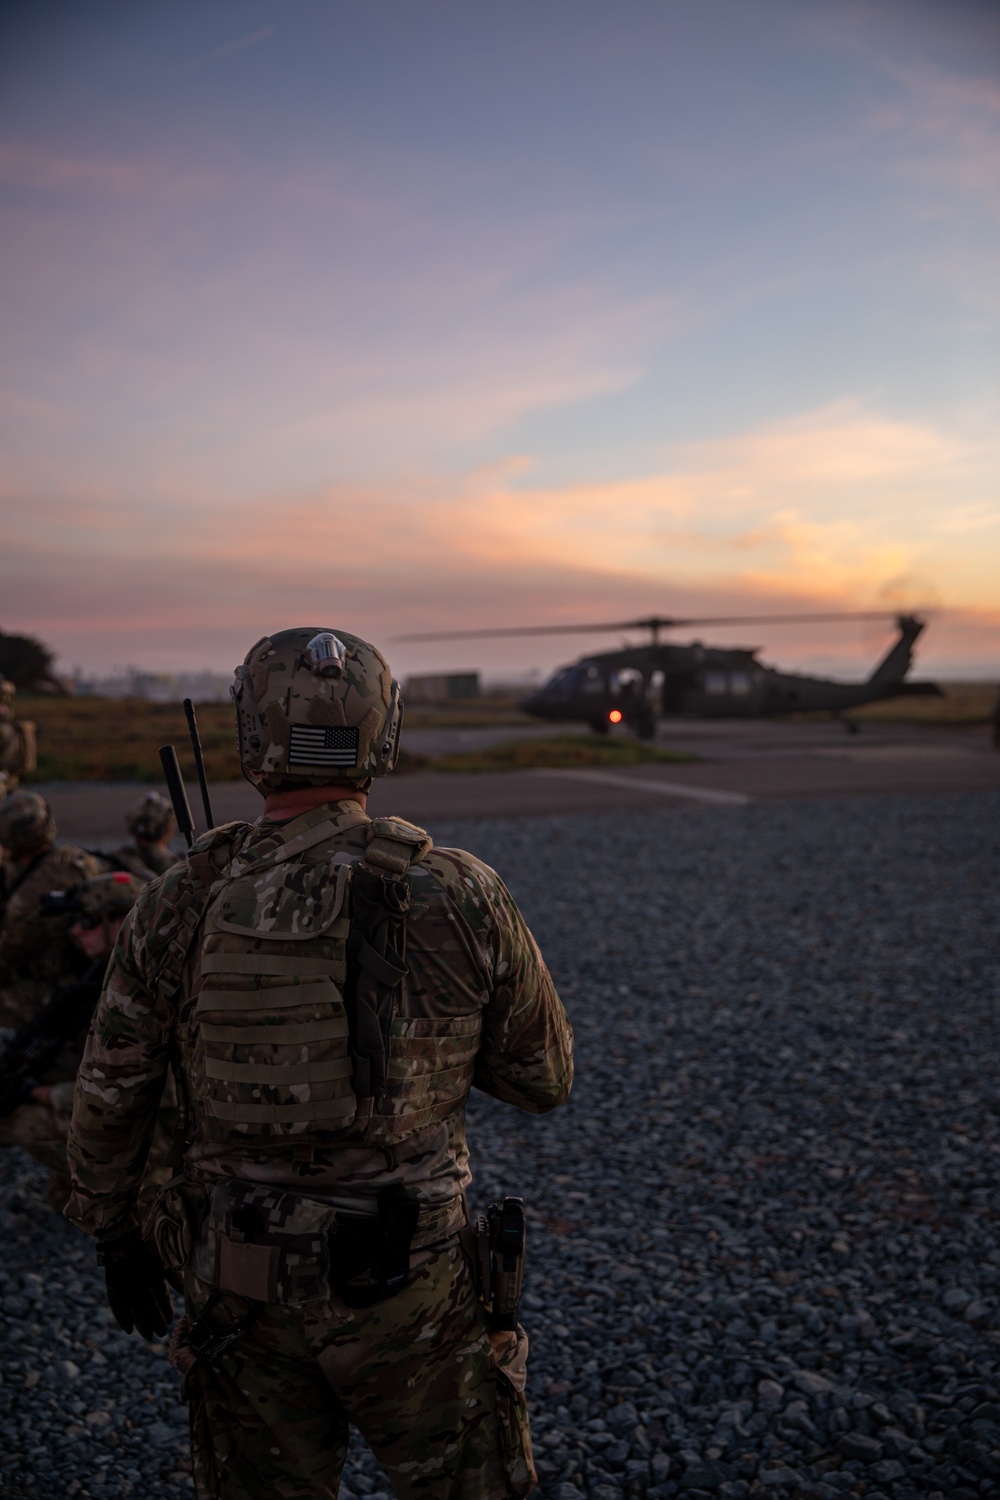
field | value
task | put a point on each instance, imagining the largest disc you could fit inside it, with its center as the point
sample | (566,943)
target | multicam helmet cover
(315,706)
(151,818)
(26,823)
(108,896)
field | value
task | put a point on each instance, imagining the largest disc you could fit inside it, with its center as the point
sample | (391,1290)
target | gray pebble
(761,1230)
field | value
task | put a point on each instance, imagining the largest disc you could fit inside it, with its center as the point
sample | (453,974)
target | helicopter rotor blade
(650,622)
(468,635)
(804,619)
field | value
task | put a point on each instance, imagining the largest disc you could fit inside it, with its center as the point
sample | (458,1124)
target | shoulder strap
(305,838)
(394,845)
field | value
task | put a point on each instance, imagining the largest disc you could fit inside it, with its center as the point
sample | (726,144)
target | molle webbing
(281,965)
(297,1031)
(277,1074)
(275,997)
(283,1114)
(270,1016)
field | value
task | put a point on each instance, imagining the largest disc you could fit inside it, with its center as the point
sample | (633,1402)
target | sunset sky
(418,315)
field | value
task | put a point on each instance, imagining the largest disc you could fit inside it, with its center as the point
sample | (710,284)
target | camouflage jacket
(35,951)
(143,862)
(478,1005)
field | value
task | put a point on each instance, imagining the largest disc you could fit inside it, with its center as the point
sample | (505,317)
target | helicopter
(636,685)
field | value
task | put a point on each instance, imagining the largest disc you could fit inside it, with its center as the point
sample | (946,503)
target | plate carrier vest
(293,1034)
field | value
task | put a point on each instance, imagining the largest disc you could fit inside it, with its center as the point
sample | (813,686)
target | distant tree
(28,664)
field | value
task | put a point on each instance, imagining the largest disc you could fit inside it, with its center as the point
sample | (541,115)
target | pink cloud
(817,512)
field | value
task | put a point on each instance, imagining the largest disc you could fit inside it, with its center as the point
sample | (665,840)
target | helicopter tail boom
(899,658)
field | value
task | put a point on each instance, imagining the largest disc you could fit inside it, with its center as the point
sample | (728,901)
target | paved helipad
(739,763)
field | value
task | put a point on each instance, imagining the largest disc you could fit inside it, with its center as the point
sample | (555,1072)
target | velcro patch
(323,745)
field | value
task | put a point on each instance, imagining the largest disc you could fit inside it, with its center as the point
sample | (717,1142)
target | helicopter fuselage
(636,685)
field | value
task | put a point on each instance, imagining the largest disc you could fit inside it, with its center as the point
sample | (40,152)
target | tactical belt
(278,1247)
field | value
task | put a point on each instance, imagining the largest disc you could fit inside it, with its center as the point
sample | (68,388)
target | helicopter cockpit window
(716,684)
(739,684)
(592,681)
(561,685)
(628,678)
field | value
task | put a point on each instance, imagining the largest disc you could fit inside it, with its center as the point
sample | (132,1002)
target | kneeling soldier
(329,989)
(39,1062)
(152,824)
(36,952)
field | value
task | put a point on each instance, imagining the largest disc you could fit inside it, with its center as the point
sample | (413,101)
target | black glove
(137,1291)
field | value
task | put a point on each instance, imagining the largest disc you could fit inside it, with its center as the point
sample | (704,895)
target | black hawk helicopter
(636,685)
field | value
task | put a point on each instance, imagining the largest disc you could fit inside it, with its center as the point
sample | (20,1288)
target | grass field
(963,703)
(562,752)
(117,739)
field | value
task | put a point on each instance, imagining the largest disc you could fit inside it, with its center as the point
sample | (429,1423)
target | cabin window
(593,681)
(715,684)
(739,684)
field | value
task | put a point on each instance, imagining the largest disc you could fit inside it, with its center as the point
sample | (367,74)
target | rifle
(35,1046)
(178,792)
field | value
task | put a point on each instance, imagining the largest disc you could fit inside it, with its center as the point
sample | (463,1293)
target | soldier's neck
(293,804)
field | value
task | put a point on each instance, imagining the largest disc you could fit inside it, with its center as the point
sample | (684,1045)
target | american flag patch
(323,745)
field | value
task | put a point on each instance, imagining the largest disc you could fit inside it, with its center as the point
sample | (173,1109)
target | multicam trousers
(438,1399)
(41,1131)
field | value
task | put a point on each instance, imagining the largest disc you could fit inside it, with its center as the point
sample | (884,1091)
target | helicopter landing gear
(645,725)
(850,725)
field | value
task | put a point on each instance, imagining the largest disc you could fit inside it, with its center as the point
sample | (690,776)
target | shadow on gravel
(764,1249)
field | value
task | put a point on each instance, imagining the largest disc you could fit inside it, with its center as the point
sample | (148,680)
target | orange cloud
(818,511)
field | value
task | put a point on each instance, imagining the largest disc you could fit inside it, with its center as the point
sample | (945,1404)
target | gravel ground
(764,1248)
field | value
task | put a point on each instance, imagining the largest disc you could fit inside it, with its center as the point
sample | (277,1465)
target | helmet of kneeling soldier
(107,896)
(151,818)
(26,824)
(315,706)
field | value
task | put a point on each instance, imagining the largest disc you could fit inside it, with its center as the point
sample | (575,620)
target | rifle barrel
(178,793)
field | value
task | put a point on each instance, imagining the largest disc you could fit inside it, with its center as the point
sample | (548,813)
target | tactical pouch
(174,1222)
(370,1258)
(375,970)
(281,1248)
(498,1261)
(270,1246)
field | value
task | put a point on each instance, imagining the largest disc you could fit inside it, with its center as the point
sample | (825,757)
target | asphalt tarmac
(758,760)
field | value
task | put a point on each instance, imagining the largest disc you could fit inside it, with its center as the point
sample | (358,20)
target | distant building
(439,688)
(153,687)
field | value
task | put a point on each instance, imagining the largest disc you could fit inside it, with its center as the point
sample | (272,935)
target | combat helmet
(107,896)
(26,824)
(315,706)
(151,818)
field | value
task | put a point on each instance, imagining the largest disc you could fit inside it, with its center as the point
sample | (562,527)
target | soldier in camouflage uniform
(329,988)
(17,742)
(152,825)
(35,951)
(41,1126)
